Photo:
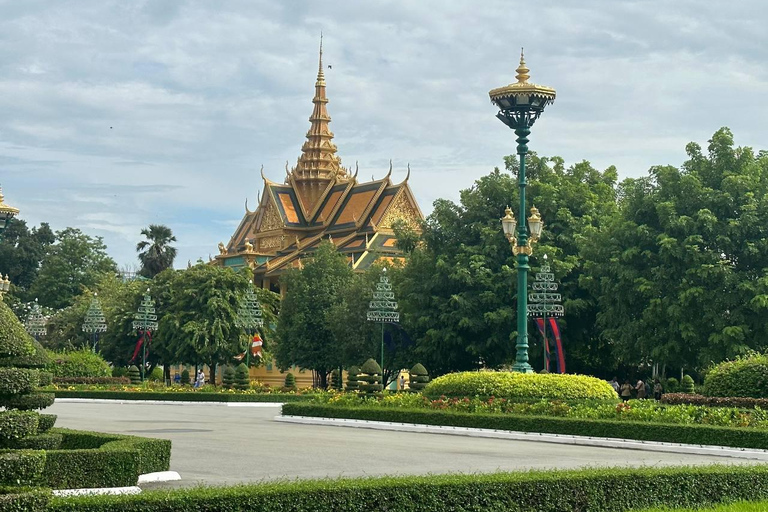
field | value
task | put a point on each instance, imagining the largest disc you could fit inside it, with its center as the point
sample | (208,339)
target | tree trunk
(167,374)
(213,373)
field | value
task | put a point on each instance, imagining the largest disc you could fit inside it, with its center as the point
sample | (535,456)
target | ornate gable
(401,209)
(270,219)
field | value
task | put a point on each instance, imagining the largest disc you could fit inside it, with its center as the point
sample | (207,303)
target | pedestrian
(615,385)
(176,378)
(402,381)
(200,379)
(626,391)
(657,390)
(640,388)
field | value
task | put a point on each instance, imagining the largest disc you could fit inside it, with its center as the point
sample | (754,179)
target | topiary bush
(687,385)
(352,378)
(370,380)
(290,382)
(525,386)
(745,377)
(185,377)
(156,375)
(419,377)
(134,374)
(242,377)
(120,371)
(228,377)
(78,363)
(336,382)
(672,385)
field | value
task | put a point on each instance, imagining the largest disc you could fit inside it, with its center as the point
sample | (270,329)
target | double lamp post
(520,104)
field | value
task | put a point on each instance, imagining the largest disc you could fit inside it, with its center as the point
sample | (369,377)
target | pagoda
(319,200)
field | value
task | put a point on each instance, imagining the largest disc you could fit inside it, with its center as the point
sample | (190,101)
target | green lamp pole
(520,104)
(383,309)
(145,321)
(249,318)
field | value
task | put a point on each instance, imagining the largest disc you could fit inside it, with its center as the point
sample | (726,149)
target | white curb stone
(105,490)
(163,402)
(605,442)
(160,476)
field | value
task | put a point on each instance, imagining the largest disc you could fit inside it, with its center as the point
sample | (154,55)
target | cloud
(114,115)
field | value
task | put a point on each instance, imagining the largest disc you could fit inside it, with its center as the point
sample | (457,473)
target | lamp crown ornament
(383,307)
(249,313)
(522,70)
(35,324)
(145,318)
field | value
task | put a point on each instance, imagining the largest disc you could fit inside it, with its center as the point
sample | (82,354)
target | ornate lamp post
(5,285)
(94,322)
(383,309)
(520,105)
(544,302)
(7,212)
(35,324)
(145,323)
(249,318)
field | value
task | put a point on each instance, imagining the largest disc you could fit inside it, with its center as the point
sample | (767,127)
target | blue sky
(115,115)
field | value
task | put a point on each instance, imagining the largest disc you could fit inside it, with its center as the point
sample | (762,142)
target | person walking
(640,388)
(657,390)
(200,379)
(615,385)
(626,391)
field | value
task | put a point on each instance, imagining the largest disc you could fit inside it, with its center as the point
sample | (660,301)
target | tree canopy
(155,253)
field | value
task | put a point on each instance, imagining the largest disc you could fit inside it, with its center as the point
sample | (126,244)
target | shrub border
(181,396)
(95,459)
(714,401)
(597,490)
(641,431)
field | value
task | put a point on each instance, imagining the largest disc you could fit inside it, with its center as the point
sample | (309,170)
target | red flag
(540,325)
(558,345)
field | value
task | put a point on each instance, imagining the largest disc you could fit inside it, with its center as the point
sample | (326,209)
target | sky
(115,115)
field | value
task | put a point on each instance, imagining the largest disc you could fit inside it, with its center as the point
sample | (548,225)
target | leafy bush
(228,377)
(29,401)
(24,499)
(370,380)
(17,380)
(17,424)
(514,385)
(120,371)
(156,375)
(47,441)
(185,377)
(92,380)
(419,377)
(45,422)
(14,340)
(352,378)
(672,385)
(336,382)
(645,431)
(243,378)
(21,468)
(687,385)
(78,363)
(594,490)
(745,377)
(714,401)
(290,382)
(134,375)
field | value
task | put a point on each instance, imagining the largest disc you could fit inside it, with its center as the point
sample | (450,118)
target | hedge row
(670,433)
(21,467)
(714,401)
(17,424)
(92,380)
(182,396)
(94,459)
(595,490)
(23,499)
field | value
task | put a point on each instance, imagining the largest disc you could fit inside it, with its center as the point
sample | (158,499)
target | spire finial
(320,74)
(522,70)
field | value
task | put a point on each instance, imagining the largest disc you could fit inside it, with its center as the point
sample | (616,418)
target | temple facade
(319,200)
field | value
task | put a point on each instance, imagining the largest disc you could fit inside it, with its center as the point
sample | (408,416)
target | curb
(160,476)
(163,402)
(604,442)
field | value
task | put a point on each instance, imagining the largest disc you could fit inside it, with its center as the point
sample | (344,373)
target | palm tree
(155,254)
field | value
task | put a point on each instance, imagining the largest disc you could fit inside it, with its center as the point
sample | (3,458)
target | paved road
(223,445)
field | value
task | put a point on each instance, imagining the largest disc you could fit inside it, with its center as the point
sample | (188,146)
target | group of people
(199,379)
(641,390)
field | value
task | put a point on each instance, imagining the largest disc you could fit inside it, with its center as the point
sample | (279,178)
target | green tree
(21,252)
(457,290)
(304,334)
(155,253)
(681,273)
(76,261)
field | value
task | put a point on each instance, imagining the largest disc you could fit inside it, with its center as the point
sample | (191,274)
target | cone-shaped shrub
(352,378)
(185,377)
(134,374)
(370,380)
(687,384)
(242,379)
(290,382)
(419,377)
(228,377)
(336,382)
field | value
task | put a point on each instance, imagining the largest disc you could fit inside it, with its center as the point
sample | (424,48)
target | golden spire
(522,70)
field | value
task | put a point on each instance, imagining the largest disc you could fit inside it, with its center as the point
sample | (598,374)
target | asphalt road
(216,445)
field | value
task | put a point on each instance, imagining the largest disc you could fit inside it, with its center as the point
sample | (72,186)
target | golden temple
(319,200)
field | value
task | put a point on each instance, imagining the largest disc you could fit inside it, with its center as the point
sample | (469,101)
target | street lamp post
(520,105)
(383,309)
(35,324)
(145,322)
(94,322)
(7,212)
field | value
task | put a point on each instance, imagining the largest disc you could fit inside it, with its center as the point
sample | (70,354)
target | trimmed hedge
(17,380)
(122,381)
(182,396)
(93,459)
(21,467)
(46,441)
(17,424)
(29,401)
(714,401)
(23,499)
(78,363)
(594,490)
(513,385)
(45,422)
(643,431)
(14,339)
(744,377)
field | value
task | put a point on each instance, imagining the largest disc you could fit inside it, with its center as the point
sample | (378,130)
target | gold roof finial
(320,74)
(522,70)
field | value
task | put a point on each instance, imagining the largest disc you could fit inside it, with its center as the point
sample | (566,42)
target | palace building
(319,200)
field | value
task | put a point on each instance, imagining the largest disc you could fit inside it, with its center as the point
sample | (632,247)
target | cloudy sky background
(115,114)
